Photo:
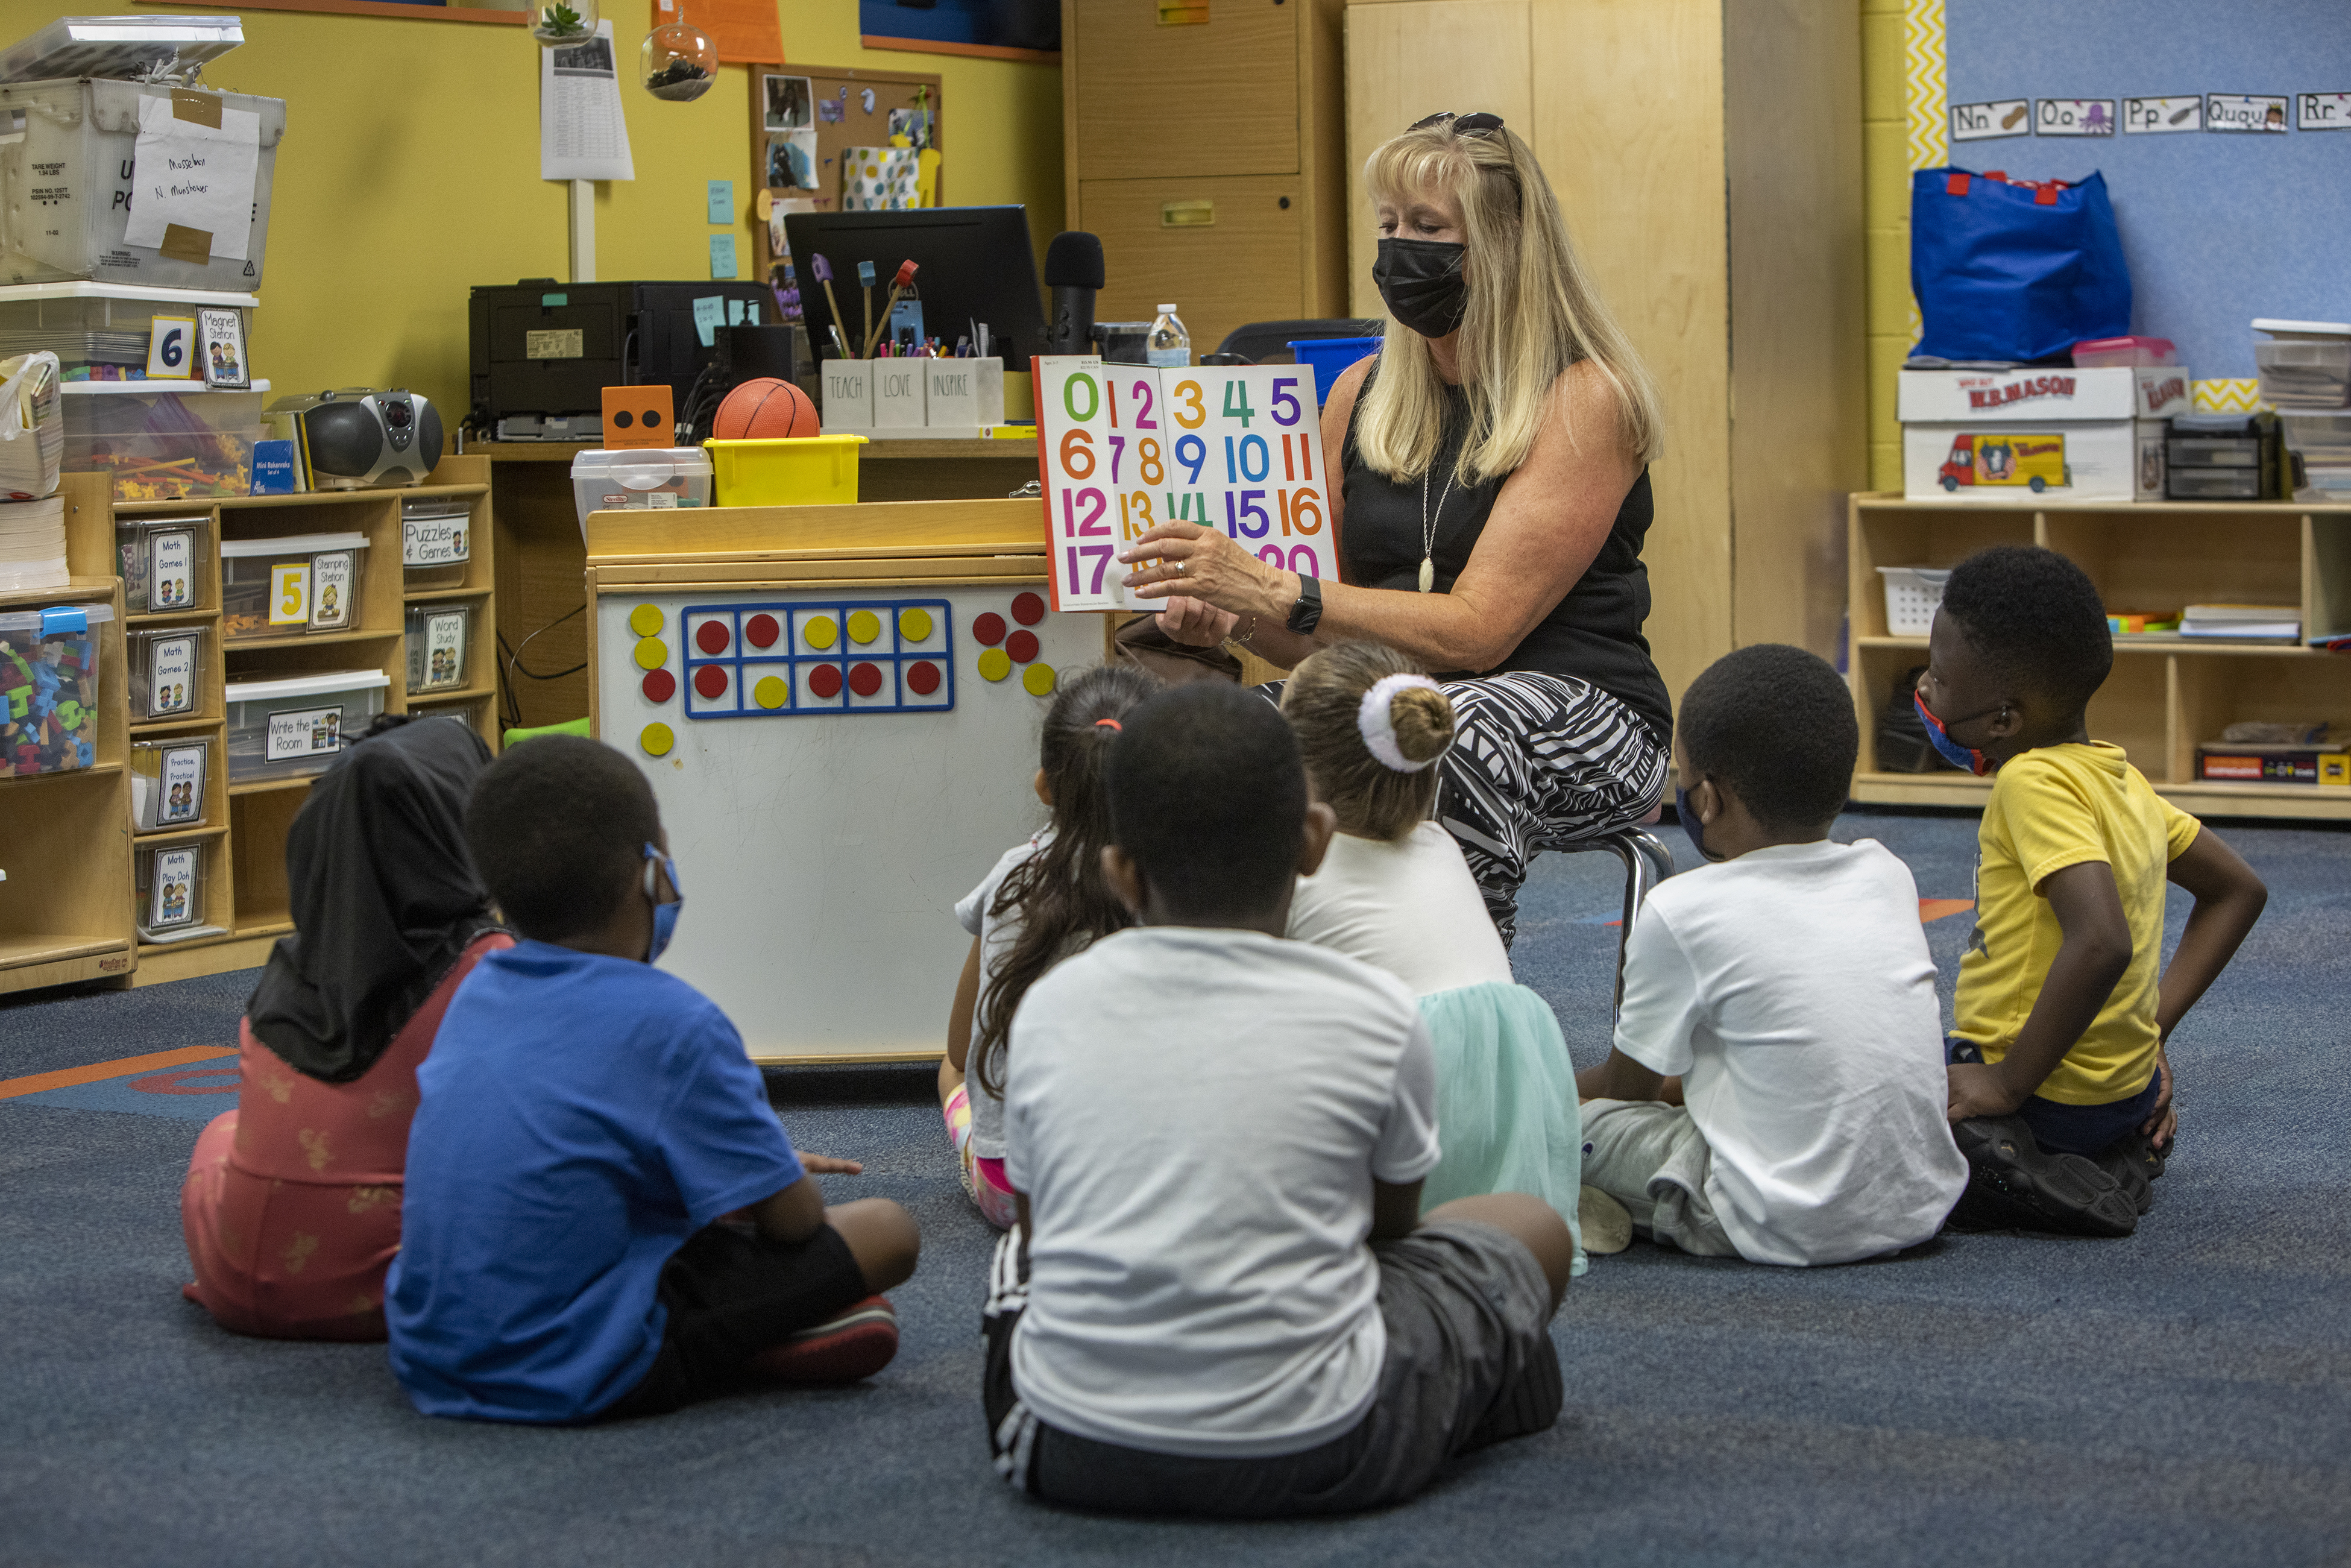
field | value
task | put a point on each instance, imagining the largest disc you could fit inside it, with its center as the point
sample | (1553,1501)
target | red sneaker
(858,1343)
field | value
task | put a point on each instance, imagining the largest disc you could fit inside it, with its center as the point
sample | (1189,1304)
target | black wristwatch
(1307,613)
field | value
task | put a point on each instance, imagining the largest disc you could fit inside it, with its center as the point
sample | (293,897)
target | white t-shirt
(1792,990)
(996,936)
(1196,1117)
(1410,907)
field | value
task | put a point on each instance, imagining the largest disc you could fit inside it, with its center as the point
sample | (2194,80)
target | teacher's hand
(1197,623)
(1184,560)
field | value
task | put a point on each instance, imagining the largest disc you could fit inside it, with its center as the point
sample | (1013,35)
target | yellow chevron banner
(2238,395)
(1926,93)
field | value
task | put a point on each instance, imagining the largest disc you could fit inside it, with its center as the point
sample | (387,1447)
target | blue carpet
(2183,1396)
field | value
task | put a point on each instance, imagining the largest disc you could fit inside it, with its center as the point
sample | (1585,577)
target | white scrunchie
(1379,728)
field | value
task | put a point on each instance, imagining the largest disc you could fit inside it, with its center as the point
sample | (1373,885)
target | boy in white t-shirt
(1220,1297)
(1788,984)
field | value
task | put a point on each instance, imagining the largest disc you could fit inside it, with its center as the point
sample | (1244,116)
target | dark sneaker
(858,1343)
(2014,1185)
(2132,1161)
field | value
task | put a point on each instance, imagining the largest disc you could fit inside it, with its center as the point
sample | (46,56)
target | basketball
(764,410)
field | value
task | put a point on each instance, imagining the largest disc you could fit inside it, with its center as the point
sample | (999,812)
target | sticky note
(722,255)
(734,312)
(722,201)
(710,312)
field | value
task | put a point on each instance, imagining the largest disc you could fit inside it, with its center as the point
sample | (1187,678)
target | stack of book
(2242,622)
(33,545)
(2278,753)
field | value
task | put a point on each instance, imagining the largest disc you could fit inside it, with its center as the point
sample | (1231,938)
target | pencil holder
(898,393)
(848,395)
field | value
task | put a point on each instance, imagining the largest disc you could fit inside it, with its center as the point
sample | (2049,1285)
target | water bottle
(1170,343)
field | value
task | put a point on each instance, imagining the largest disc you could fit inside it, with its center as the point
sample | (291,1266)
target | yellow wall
(409,172)
(1886,177)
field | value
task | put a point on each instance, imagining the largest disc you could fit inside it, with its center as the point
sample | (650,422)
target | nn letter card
(1124,448)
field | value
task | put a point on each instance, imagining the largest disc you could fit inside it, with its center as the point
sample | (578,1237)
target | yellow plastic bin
(795,471)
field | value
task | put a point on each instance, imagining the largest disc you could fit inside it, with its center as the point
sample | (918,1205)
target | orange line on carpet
(66,1077)
(1930,909)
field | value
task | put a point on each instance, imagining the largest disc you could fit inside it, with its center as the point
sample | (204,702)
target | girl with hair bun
(1395,893)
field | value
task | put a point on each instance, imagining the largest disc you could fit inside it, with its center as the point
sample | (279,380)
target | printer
(543,351)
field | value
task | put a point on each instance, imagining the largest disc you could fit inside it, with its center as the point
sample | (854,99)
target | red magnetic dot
(865,679)
(762,630)
(660,685)
(825,680)
(712,638)
(711,681)
(1022,647)
(1028,609)
(988,629)
(923,679)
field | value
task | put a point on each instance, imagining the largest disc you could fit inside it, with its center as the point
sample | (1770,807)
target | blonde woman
(1493,500)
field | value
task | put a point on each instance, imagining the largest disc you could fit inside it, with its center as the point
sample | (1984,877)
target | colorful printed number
(1099,554)
(1190,392)
(1078,447)
(1091,523)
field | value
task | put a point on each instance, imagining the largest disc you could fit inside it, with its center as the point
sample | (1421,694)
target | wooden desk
(542,562)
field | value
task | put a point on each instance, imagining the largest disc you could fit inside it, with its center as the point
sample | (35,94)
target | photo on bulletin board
(792,161)
(792,103)
(914,124)
(223,347)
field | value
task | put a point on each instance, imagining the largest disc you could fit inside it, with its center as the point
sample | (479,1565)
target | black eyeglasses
(1478,124)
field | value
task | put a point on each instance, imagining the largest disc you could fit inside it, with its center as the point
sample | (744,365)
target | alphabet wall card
(2254,111)
(2321,111)
(1985,122)
(2147,115)
(2074,117)
(1124,448)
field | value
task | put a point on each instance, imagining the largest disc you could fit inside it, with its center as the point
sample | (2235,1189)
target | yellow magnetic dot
(864,626)
(646,620)
(914,625)
(770,692)
(651,654)
(820,630)
(995,665)
(656,738)
(1039,679)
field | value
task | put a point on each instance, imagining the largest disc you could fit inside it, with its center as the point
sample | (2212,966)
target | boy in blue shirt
(592,1140)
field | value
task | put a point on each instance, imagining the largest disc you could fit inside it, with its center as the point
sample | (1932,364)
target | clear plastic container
(1171,344)
(167,783)
(2213,485)
(652,477)
(440,641)
(435,543)
(1912,594)
(49,688)
(163,561)
(170,891)
(162,441)
(68,173)
(2099,354)
(2309,433)
(277,587)
(293,728)
(87,324)
(2215,451)
(167,673)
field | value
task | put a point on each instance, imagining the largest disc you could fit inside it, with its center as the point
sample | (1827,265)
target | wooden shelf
(435,595)
(272,786)
(178,836)
(2149,642)
(173,617)
(76,590)
(16,952)
(209,939)
(431,699)
(304,640)
(273,922)
(32,960)
(152,727)
(95,770)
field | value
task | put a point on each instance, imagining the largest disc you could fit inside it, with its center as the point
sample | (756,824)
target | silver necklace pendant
(1427,574)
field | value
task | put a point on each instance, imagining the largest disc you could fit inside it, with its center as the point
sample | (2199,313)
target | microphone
(1073,270)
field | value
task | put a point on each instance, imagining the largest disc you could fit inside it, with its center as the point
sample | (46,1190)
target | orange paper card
(638,416)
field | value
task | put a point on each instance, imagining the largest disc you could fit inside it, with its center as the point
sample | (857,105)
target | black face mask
(1421,281)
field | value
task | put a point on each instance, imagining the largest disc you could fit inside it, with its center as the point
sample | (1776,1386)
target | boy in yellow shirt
(2061,1093)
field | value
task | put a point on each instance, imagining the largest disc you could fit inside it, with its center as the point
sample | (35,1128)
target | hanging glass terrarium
(564,22)
(678,62)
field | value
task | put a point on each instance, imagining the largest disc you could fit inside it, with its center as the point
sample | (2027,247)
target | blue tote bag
(2010,270)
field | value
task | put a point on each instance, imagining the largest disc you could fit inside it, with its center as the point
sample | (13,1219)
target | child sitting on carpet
(1394,892)
(1787,982)
(587,1121)
(2060,1091)
(1044,900)
(1221,1296)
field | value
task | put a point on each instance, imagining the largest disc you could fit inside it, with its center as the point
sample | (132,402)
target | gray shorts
(1651,1158)
(1469,1363)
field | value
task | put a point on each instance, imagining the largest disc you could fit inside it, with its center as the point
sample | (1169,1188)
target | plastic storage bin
(68,176)
(167,673)
(167,783)
(49,688)
(1329,357)
(1912,594)
(440,638)
(170,881)
(162,441)
(653,476)
(306,583)
(163,561)
(795,471)
(87,324)
(435,543)
(292,727)
(2214,484)
(2099,353)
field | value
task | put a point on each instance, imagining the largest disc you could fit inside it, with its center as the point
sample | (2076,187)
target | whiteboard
(824,826)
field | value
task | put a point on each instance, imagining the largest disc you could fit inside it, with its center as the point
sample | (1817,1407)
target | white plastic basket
(1912,594)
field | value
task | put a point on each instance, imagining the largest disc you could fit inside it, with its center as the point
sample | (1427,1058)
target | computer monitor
(973,264)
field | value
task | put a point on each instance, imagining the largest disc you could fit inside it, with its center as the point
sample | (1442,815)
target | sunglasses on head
(1478,124)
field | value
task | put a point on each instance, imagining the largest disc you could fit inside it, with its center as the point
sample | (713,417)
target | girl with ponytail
(1394,892)
(1045,900)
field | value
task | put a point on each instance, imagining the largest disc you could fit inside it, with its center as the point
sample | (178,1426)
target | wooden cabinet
(1708,156)
(1203,146)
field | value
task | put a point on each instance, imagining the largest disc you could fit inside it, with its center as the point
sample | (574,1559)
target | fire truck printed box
(2011,435)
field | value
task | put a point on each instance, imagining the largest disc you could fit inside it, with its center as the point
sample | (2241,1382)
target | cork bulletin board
(794,134)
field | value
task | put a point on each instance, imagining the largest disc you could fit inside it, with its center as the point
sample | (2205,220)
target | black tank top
(1593,634)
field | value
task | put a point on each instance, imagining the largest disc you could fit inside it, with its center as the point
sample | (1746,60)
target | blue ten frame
(811,648)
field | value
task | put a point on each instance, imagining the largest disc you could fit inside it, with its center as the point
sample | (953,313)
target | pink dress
(292,1201)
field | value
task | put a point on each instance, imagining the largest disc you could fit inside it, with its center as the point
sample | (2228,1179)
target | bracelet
(1241,639)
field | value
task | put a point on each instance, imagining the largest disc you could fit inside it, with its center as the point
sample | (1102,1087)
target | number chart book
(1124,448)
